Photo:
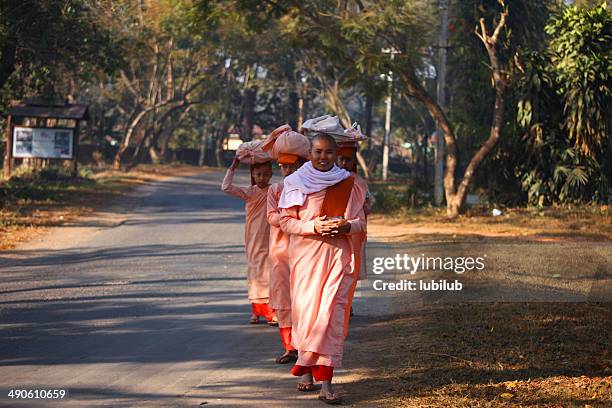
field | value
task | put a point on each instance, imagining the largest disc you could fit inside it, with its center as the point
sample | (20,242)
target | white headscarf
(324,124)
(307,180)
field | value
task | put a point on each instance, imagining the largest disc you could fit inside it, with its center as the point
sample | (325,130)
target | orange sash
(337,197)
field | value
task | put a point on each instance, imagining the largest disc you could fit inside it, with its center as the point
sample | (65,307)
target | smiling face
(261,174)
(323,152)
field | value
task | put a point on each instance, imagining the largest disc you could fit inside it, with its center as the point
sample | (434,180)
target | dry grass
(548,224)
(485,355)
(488,354)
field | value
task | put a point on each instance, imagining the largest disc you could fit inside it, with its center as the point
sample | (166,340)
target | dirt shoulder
(29,209)
(484,355)
(587,223)
(438,352)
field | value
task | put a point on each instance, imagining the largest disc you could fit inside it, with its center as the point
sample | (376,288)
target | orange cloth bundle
(252,153)
(286,146)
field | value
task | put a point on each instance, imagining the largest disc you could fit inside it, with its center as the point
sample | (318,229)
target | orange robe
(256,236)
(322,277)
(280,292)
(280,297)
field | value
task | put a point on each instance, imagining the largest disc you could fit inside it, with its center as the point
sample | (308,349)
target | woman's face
(287,169)
(323,154)
(347,161)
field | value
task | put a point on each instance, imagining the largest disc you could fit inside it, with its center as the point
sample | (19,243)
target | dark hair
(324,136)
(264,164)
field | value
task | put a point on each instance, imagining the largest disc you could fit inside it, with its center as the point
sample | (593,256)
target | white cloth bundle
(331,125)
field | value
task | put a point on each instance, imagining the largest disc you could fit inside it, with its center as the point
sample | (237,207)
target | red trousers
(285,333)
(263,310)
(319,372)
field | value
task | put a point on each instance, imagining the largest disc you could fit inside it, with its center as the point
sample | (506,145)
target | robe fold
(322,278)
(278,259)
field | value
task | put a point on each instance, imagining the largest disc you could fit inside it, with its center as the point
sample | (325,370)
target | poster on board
(42,143)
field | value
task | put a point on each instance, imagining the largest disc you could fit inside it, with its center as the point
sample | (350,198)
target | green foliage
(43,41)
(470,90)
(556,168)
(582,59)
(393,198)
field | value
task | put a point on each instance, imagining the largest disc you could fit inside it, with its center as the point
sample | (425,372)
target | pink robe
(256,236)
(362,185)
(322,278)
(280,296)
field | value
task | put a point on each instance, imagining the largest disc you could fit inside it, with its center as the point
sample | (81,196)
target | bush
(391,198)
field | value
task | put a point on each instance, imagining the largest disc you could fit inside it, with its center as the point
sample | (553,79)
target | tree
(168,67)
(563,110)
(354,33)
(54,37)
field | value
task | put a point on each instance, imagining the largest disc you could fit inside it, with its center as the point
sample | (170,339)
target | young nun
(347,159)
(256,235)
(321,209)
(290,150)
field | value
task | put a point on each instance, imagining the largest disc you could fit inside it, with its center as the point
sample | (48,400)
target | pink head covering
(252,153)
(286,146)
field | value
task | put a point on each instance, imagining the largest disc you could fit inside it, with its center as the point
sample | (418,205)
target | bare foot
(328,395)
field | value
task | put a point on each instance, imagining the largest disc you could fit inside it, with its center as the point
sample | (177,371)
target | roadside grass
(485,355)
(523,354)
(32,201)
(402,213)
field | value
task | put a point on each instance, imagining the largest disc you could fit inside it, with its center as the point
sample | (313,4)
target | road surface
(144,305)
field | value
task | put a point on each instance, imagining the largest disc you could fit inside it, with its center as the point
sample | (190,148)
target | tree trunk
(416,90)
(154,155)
(248,113)
(220,136)
(202,157)
(127,138)
(7,61)
(369,105)
(293,110)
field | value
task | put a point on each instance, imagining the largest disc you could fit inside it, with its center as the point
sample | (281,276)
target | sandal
(307,387)
(286,358)
(331,401)
(254,320)
(273,322)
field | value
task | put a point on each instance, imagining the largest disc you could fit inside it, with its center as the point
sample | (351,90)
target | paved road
(142,306)
(145,305)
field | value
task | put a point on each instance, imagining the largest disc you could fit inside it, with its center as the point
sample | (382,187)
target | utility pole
(388,101)
(439,157)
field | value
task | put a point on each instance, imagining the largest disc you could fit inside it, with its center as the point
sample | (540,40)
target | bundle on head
(252,153)
(347,148)
(286,146)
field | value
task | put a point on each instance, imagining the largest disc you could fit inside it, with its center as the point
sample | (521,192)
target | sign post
(8,156)
(45,132)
